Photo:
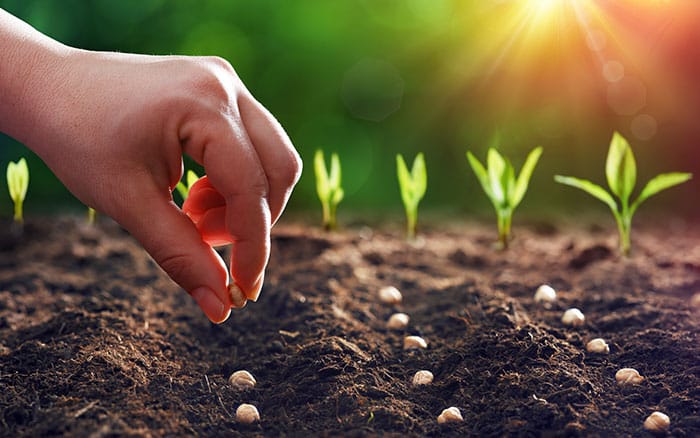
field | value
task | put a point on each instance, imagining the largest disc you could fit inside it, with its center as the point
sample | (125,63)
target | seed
(247,414)
(695,300)
(657,422)
(628,376)
(546,294)
(598,345)
(414,342)
(242,379)
(422,377)
(450,415)
(573,317)
(397,321)
(390,295)
(237,297)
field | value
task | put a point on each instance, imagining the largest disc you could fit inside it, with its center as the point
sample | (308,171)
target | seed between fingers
(238,299)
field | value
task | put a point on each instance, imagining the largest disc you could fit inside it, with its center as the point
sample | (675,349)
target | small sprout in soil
(545,294)
(598,345)
(573,317)
(450,415)
(238,299)
(414,343)
(390,295)
(17,183)
(657,423)
(247,414)
(501,186)
(621,173)
(328,187)
(422,377)
(184,189)
(242,379)
(91,215)
(628,377)
(397,321)
(412,185)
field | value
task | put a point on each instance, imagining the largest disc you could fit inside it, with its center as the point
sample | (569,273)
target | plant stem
(18,213)
(624,228)
(411,220)
(504,220)
(91,216)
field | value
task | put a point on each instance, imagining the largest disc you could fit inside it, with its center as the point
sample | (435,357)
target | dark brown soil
(95,340)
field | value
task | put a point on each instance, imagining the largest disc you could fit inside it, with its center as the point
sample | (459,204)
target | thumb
(172,240)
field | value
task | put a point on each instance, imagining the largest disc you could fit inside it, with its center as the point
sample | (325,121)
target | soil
(96,341)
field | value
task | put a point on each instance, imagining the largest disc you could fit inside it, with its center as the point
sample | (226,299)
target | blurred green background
(372,78)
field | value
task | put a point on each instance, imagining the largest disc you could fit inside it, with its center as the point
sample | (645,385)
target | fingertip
(211,305)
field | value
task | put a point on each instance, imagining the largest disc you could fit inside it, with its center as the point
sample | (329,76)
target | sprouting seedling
(621,173)
(328,187)
(184,189)
(412,185)
(502,187)
(18,182)
(91,216)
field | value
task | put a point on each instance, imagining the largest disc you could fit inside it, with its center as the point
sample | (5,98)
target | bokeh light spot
(644,126)
(613,71)
(627,96)
(372,90)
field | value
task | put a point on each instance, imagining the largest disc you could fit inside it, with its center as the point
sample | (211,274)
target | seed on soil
(422,377)
(598,345)
(242,379)
(450,415)
(397,321)
(237,297)
(628,376)
(657,423)
(414,342)
(695,300)
(573,317)
(545,294)
(390,295)
(247,414)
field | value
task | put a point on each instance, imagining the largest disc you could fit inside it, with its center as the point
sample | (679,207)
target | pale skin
(113,128)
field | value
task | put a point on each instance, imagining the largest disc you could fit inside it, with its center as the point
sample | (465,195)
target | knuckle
(176,265)
(290,172)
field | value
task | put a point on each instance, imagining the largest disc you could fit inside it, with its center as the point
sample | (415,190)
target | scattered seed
(628,376)
(397,321)
(573,317)
(390,295)
(237,297)
(598,345)
(247,414)
(414,342)
(545,294)
(450,415)
(657,423)
(242,379)
(422,377)
(695,300)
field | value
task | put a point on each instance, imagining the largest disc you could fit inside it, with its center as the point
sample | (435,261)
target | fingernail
(257,288)
(211,305)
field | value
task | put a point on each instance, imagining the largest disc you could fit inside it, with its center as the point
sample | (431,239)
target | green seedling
(621,173)
(328,187)
(502,187)
(412,185)
(91,216)
(184,189)
(18,182)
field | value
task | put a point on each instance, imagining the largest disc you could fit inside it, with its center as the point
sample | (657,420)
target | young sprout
(17,182)
(91,215)
(621,173)
(412,185)
(502,187)
(184,189)
(328,187)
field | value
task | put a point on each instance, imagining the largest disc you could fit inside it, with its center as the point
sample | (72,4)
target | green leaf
(182,190)
(508,182)
(405,180)
(525,175)
(18,179)
(338,195)
(420,177)
(191,179)
(322,183)
(480,173)
(620,168)
(496,167)
(590,188)
(659,183)
(334,181)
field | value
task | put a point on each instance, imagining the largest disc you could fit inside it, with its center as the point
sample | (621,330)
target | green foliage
(621,173)
(17,183)
(328,187)
(502,187)
(412,185)
(184,189)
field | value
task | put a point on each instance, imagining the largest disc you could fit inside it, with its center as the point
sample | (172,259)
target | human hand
(113,128)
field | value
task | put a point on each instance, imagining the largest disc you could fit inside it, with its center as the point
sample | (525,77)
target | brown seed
(238,299)
(242,379)
(414,342)
(422,377)
(657,423)
(628,376)
(247,414)
(598,345)
(450,415)
(397,321)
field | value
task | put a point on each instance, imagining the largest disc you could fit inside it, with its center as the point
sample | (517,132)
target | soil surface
(96,341)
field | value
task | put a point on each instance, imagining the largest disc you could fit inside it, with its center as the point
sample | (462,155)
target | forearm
(30,71)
